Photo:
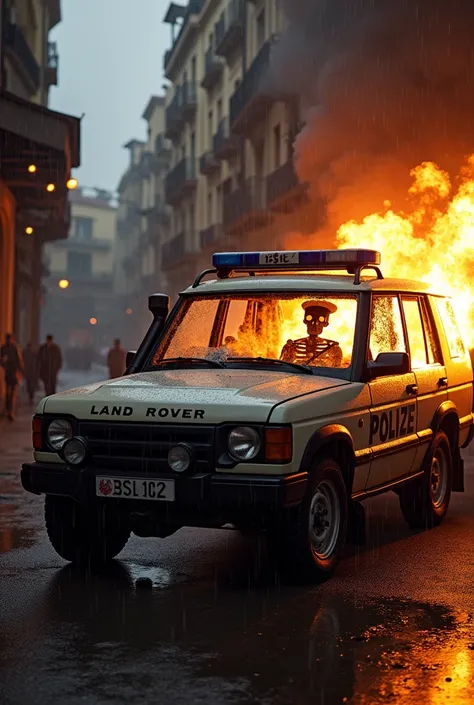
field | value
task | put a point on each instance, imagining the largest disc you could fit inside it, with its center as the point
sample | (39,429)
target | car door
(427,364)
(393,414)
(458,363)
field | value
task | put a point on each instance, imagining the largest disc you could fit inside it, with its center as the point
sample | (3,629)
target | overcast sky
(110,63)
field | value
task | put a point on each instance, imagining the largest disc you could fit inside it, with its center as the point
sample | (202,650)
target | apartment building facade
(79,294)
(142,225)
(232,183)
(38,147)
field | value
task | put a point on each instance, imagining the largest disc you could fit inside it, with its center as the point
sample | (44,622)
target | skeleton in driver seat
(314,350)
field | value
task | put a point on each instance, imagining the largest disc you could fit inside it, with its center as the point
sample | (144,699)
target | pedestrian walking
(30,367)
(50,361)
(12,362)
(116,360)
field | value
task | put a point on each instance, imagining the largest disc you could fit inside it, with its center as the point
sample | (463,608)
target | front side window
(313,329)
(451,327)
(386,327)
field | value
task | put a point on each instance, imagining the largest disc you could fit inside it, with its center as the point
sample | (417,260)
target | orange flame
(434,242)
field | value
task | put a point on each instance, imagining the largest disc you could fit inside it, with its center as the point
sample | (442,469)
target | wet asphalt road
(213,624)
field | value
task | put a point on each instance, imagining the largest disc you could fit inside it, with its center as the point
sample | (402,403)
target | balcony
(246,207)
(97,244)
(225,145)
(182,108)
(180,181)
(174,117)
(251,101)
(213,69)
(20,52)
(158,218)
(211,236)
(208,164)
(188,100)
(51,70)
(284,190)
(230,29)
(177,250)
(188,16)
(162,149)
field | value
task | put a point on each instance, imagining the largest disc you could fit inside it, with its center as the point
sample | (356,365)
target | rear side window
(386,328)
(451,327)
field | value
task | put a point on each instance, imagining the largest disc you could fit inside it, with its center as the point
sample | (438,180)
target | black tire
(425,501)
(79,535)
(304,551)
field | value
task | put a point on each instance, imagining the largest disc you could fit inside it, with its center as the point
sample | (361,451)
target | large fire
(433,241)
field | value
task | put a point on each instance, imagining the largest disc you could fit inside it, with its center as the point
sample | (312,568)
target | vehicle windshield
(315,330)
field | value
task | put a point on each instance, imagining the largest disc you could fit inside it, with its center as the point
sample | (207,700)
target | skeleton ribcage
(304,349)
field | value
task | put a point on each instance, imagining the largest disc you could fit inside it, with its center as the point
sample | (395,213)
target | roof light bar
(309,259)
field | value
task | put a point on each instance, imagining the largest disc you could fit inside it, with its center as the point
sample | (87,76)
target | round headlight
(59,431)
(179,458)
(74,451)
(244,443)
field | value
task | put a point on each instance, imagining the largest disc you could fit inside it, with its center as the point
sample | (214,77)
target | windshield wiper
(271,361)
(188,360)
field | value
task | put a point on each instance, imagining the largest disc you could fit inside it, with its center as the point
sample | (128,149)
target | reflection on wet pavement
(115,642)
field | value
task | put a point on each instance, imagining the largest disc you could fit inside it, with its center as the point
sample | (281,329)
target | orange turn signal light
(37,434)
(278,444)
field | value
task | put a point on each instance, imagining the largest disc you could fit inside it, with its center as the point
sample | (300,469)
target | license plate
(135,488)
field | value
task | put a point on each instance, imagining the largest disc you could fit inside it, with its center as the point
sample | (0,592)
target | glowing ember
(432,242)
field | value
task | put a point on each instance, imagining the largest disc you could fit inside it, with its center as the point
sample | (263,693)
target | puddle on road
(262,646)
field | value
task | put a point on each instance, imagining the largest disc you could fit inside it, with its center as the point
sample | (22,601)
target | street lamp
(63,283)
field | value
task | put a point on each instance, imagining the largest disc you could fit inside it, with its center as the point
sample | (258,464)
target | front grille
(144,447)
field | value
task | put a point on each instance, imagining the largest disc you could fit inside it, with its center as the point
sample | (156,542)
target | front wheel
(79,535)
(425,501)
(311,539)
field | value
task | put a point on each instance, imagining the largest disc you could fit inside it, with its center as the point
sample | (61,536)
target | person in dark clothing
(50,362)
(12,362)
(116,360)
(30,364)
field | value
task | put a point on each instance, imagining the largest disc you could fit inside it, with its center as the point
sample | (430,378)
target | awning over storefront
(38,147)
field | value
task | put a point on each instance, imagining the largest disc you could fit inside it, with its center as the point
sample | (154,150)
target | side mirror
(129,357)
(389,363)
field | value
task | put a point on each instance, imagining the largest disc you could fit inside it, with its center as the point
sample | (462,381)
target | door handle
(443,382)
(412,389)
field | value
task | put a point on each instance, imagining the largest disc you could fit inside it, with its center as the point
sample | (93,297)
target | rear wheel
(425,501)
(311,539)
(83,535)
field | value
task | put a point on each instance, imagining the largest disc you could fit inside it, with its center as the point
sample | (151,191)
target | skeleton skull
(316,316)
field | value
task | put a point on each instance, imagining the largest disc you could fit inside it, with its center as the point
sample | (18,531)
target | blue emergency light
(308,259)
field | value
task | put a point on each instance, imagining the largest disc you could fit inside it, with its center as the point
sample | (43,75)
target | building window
(82,228)
(277,145)
(209,208)
(79,264)
(209,129)
(260,29)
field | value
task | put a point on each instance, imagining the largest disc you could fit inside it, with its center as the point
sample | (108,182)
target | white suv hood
(186,396)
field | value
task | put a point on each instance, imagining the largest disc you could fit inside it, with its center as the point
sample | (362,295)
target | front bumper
(207,491)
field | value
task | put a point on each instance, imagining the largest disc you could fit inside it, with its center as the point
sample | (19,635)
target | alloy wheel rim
(438,479)
(324,520)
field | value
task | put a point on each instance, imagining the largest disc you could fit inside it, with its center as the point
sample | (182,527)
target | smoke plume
(383,85)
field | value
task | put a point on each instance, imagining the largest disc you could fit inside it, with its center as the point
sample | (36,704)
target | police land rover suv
(276,396)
